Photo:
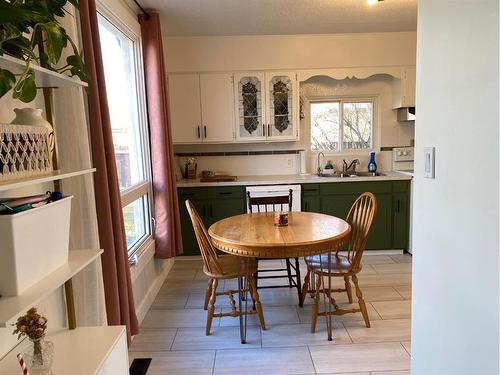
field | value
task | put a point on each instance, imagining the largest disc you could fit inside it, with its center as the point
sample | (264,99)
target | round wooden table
(255,235)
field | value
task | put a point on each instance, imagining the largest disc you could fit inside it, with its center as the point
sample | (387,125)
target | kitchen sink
(358,174)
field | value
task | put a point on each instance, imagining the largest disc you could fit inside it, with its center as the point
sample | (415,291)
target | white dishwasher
(277,190)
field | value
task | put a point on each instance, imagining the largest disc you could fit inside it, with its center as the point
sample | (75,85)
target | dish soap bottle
(372,165)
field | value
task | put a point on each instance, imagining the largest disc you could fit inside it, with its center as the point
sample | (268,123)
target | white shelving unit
(39,179)
(43,77)
(82,351)
(10,307)
(78,351)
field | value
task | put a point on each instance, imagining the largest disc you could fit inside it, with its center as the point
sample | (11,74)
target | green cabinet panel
(212,204)
(356,187)
(222,208)
(311,204)
(381,233)
(189,242)
(401,220)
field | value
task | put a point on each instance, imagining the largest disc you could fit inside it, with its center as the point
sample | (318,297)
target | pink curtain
(116,270)
(168,229)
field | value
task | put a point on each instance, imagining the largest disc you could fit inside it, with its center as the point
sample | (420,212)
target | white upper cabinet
(185,108)
(224,107)
(201,108)
(403,90)
(282,106)
(217,108)
(266,106)
(249,99)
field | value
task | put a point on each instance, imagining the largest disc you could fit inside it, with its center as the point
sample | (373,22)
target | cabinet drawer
(356,187)
(191,193)
(401,186)
(310,189)
(226,192)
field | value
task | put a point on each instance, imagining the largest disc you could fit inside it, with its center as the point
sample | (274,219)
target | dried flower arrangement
(32,325)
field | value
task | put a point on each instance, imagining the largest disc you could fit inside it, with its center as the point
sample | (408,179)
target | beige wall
(185,54)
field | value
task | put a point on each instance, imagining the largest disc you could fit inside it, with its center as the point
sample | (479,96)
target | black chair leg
(299,285)
(289,272)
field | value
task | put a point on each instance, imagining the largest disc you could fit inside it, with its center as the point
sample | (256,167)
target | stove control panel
(402,154)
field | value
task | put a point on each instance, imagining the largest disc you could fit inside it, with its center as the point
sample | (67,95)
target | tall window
(341,125)
(124,82)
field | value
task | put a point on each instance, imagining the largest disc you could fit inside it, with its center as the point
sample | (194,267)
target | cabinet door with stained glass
(282,106)
(249,99)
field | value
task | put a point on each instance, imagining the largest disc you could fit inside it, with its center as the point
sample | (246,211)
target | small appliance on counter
(190,168)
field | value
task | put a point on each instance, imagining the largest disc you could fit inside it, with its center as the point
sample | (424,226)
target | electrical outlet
(289,163)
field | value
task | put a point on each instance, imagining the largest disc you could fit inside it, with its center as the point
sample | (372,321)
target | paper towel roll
(302,157)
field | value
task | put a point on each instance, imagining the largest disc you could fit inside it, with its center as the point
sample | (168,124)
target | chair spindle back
(207,250)
(264,202)
(360,217)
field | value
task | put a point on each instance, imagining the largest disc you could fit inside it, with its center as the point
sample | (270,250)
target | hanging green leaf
(25,89)
(7,81)
(77,67)
(55,40)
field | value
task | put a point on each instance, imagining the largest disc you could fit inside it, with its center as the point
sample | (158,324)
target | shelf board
(44,77)
(10,307)
(80,351)
(33,180)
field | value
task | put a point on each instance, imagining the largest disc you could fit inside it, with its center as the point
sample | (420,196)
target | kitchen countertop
(292,179)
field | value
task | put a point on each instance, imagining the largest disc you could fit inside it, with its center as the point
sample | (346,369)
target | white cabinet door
(249,104)
(217,108)
(409,86)
(282,106)
(185,110)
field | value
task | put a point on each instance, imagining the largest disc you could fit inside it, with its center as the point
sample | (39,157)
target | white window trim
(375,99)
(123,19)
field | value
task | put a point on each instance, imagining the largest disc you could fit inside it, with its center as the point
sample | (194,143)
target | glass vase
(39,356)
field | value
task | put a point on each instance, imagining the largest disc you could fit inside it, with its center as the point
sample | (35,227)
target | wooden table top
(254,235)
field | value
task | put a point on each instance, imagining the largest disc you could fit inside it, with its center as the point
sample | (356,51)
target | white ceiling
(283,17)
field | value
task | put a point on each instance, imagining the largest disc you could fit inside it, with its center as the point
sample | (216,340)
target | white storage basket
(24,151)
(33,243)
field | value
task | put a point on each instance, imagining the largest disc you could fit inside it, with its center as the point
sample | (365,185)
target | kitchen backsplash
(275,164)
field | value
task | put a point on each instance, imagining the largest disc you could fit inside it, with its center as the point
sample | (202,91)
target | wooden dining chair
(272,204)
(360,217)
(222,268)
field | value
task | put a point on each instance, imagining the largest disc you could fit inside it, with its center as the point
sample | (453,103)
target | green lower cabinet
(401,220)
(189,242)
(381,233)
(212,204)
(390,229)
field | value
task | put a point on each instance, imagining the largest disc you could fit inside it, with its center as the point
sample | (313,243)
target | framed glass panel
(135,218)
(121,89)
(357,125)
(281,105)
(250,107)
(325,129)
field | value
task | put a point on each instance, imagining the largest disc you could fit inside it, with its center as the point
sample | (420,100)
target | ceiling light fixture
(372,2)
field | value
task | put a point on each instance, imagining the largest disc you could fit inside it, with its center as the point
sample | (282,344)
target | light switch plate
(429,158)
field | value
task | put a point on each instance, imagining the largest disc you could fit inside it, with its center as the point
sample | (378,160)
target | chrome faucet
(352,165)
(320,169)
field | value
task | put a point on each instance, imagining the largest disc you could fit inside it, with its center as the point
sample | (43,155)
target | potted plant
(31,32)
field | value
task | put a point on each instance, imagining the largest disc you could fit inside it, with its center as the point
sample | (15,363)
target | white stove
(402,162)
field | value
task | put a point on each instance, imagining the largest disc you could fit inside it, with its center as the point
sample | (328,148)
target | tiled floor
(173,331)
